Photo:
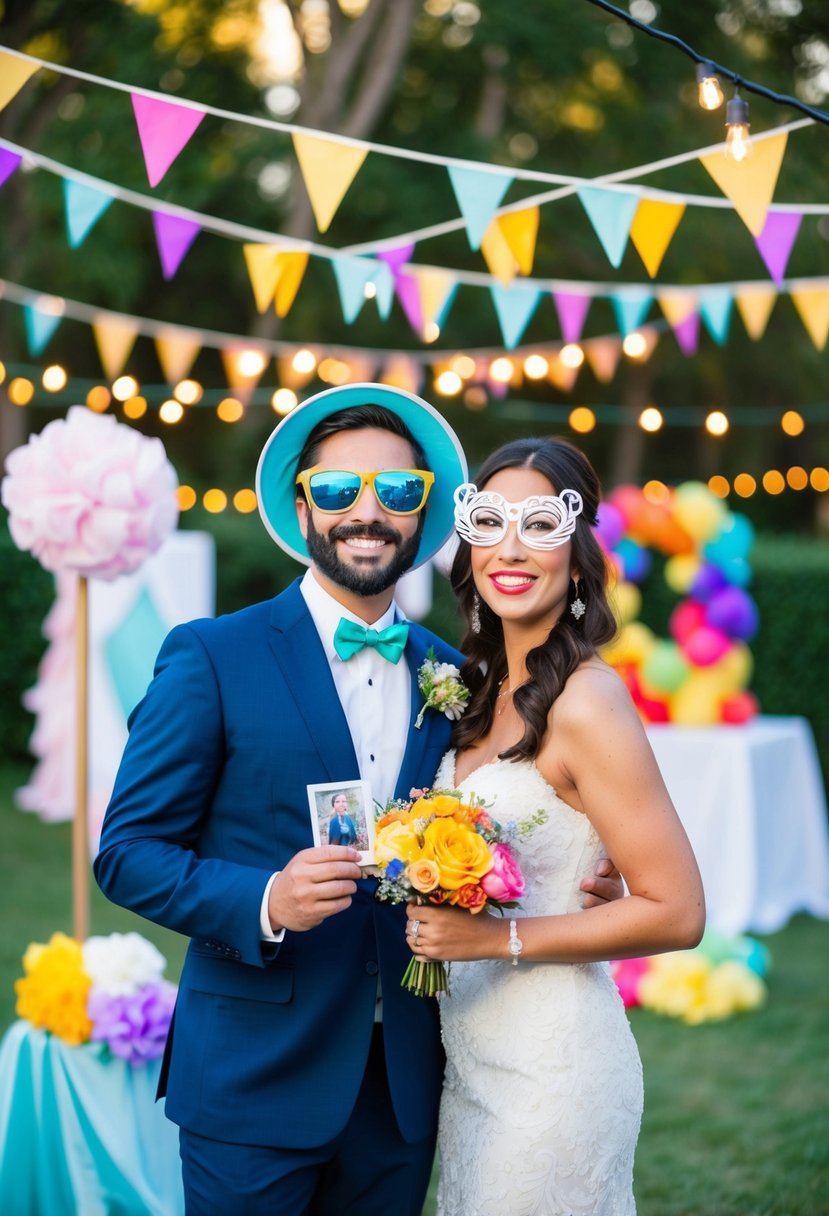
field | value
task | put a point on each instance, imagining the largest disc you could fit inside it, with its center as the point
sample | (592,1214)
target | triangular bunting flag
(173,235)
(40,324)
(715,307)
(562,375)
(84,205)
(501,261)
(479,193)
(677,305)
(242,372)
(177,352)
(14,72)
(603,355)
(520,230)
(515,306)
(653,229)
(352,275)
(754,305)
(291,266)
(437,293)
(572,310)
(9,161)
(164,128)
(812,303)
(611,213)
(114,338)
(775,242)
(396,258)
(402,372)
(328,168)
(263,271)
(383,281)
(631,305)
(749,183)
(407,290)
(686,333)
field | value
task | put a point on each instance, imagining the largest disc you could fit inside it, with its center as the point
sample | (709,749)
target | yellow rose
(444,805)
(424,875)
(461,854)
(396,840)
(421,808)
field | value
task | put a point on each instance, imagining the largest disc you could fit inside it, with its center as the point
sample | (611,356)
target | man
(208,832)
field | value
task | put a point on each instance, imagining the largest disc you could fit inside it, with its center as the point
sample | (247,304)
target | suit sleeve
(149,858)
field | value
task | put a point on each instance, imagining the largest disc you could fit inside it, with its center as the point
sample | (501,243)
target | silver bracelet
(515,945)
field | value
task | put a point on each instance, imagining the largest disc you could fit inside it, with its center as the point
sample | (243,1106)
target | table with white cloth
(752,801)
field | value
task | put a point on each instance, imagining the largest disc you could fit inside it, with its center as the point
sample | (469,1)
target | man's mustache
(376,531)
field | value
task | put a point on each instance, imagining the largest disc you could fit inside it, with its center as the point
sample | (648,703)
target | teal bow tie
(350,638)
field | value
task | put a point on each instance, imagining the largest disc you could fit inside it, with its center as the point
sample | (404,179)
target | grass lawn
(736,1114)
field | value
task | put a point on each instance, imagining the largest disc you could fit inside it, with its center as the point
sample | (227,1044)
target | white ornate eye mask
(545,521)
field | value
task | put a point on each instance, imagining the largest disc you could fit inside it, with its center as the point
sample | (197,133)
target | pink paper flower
(504,881)
(91,495)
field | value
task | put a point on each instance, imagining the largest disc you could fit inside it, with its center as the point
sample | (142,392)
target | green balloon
(665,667)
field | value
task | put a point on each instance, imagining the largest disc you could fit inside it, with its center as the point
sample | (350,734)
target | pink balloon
(705,645)
(686,618)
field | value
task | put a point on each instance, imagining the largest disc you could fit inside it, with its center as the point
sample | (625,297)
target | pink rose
(504,882)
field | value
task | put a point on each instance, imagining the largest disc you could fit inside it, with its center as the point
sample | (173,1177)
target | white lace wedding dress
(543,1092)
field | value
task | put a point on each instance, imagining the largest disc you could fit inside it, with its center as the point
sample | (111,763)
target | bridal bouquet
(439,849)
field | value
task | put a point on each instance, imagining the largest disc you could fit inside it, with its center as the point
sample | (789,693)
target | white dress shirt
(375,695)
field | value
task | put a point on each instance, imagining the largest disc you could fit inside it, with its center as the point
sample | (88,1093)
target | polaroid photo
(342,812)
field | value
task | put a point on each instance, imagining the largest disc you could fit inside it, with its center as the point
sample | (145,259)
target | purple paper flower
(134,1027)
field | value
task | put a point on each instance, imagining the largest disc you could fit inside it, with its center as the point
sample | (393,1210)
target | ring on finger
(415,931)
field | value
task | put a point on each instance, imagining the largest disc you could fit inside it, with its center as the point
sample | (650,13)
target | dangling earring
(577,604)
(475,614)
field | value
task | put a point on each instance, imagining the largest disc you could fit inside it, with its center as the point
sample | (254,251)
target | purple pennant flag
(776,240)
(397,257)
(572,313)
(8,163)
(408,293)
(687,333)
(174,236)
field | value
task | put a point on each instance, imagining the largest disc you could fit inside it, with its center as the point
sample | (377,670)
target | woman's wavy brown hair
(569,642)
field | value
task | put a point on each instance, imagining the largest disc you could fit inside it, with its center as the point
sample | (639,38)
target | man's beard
(322,548)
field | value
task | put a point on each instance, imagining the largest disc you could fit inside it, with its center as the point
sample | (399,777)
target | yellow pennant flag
(114,337)
(177,352)
(677,306)
(402,372)
(812,303)
(291,266)
(275,275)
(328,169)
(14,72)
(520,231)
(653,229)
(749,183)
(562,376)
(500,259)
(243,368)
(603,355)
(754,305)
(435,287)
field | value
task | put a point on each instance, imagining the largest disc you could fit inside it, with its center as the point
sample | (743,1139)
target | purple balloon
(610,527)
(734,612)
(708,582)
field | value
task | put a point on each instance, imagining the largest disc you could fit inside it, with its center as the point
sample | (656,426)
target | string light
(582,420)
(230,409)
(21,390)
(819,479)
(792,423)
(717,423)
(284,400)
(99,398)
(501,370)
(536,367)
(187,498)
(744,485)
(54,378)
(571,355)
(135,407)
(188,392)
(719,485)
(737,125)
(797,477)
(774,482)
(124,387)
(171,412)
(448,384)
(651,419)
(709,89)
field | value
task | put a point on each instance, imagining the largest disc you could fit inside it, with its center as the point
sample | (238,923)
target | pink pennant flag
(174,235)
(164,127)
(572,312)
(407,290)
(686,333)
(776,240)
(8,163)
(397,257)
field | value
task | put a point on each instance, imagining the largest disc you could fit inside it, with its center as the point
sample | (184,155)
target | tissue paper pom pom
(91,495)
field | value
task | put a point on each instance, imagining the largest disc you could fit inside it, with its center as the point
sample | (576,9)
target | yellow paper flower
(424,875)
(396,840)
(54,991)
(461,854)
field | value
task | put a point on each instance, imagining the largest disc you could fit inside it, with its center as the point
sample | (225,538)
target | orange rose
(461,854)
(471,896)
(424,875)
(398,816)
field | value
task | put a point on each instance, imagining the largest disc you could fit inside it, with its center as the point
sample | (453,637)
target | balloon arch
(698,676)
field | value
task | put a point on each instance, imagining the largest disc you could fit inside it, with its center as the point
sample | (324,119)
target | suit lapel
(298,650)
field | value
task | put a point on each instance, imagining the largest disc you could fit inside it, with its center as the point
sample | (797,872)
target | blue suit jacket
(210,799)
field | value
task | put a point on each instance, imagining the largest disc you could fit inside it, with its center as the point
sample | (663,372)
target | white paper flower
(90,494)
(121,963)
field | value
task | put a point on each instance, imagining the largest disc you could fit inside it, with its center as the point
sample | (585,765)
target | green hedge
(790,585)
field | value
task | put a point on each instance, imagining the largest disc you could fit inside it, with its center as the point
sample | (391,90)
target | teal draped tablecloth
(81,1133)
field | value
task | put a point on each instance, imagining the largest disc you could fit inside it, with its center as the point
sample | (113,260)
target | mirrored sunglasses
(544,521)
(398,491)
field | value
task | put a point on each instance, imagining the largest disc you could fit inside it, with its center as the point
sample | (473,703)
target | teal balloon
(733,543)
(665,667)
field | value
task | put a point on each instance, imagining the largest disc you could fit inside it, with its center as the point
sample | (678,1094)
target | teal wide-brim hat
(276,472)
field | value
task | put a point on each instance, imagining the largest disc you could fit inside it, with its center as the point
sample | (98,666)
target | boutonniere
(442,688)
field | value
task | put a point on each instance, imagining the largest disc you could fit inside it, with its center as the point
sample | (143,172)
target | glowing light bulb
(737,126)
(709,89)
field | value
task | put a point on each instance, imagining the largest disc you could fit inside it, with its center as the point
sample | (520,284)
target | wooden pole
(80,823)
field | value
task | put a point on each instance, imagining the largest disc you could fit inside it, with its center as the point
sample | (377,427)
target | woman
(543,1091)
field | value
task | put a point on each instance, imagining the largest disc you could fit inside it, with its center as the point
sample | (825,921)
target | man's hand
(602,887)
(316,883)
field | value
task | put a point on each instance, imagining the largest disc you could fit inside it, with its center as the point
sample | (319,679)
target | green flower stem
(425,977)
